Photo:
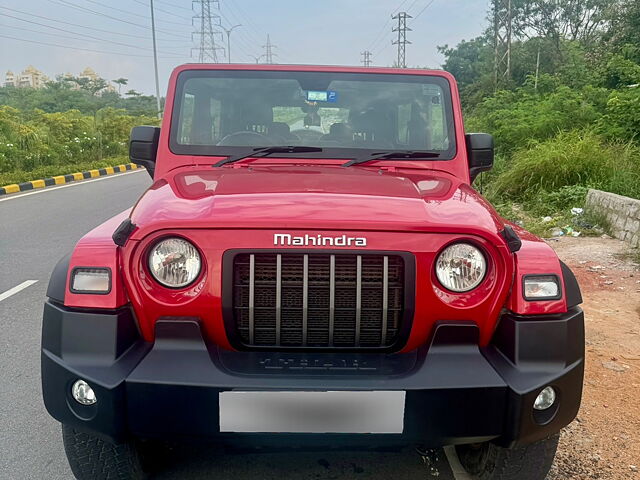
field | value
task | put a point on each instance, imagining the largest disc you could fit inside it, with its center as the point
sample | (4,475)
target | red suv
(311,266)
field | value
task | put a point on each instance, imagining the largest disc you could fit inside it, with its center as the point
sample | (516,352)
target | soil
(604,441)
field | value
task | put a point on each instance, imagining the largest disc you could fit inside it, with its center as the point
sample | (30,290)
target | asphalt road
(36,229)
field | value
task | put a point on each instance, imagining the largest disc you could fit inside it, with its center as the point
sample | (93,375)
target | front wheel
(92,458)
(487,461)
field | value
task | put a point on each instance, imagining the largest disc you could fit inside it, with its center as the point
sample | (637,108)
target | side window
(215,113)
(404,117)
(186,119)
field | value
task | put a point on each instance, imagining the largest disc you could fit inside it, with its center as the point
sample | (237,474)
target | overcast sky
(116,34)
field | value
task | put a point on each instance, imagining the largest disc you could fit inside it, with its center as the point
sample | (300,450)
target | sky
(114,36)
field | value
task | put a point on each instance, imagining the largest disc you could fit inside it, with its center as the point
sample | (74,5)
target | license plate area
(380,412)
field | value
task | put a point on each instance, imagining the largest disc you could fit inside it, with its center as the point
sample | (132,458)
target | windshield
(218,111)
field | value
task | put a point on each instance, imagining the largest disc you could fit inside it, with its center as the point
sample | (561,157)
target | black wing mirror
(480,151)
(143,147)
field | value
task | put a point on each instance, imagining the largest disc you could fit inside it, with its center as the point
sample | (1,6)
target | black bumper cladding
(455,391)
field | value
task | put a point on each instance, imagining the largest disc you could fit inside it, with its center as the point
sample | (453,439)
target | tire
(92,458)
(487,461)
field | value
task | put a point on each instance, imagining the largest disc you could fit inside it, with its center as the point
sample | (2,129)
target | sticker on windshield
(322,96)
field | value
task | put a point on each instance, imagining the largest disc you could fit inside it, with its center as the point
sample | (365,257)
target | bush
(577,158)
(518,118)
(622,118)
(36,139)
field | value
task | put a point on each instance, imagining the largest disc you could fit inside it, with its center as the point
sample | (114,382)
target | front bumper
(456,392)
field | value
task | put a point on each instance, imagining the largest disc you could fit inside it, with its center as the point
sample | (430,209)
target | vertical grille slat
(318,300)
(385,298)
(278,297)
(252,293)
(332,297)
(305,298)
(358,298)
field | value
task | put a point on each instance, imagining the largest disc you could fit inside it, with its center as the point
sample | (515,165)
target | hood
(316,198)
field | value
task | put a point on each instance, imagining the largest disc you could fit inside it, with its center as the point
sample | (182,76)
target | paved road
(36,229)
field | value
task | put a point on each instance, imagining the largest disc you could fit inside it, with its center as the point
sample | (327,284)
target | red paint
(418,207)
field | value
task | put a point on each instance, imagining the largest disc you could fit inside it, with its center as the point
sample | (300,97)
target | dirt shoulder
(604,441)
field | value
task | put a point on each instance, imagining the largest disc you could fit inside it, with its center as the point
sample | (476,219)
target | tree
(133,93)
(121,82)
(582,20)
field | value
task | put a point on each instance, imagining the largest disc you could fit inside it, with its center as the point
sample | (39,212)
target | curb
(62,179)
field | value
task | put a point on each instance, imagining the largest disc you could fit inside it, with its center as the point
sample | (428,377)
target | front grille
(287,300)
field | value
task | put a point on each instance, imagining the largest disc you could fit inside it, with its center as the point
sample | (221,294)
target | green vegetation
(70,125)
(59,129)
(568,118)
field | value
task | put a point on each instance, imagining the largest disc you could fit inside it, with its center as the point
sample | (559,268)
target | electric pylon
(207,18)
(402,41)
(503,30)
(366,58)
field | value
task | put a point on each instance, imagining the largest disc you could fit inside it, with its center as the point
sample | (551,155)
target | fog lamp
(545,399)
(83,393)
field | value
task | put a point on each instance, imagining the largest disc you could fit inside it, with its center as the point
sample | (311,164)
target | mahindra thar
(312,267)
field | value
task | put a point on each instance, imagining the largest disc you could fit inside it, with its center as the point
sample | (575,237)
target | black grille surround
(294,314)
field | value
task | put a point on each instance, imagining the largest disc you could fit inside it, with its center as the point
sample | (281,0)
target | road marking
(75,184)
(459,473)
(16,289)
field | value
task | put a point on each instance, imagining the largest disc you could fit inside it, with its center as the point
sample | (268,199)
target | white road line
(16,289)
(72,184)
(459,473)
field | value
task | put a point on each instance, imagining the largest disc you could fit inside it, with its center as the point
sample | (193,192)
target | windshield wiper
(401,154)
(266,151)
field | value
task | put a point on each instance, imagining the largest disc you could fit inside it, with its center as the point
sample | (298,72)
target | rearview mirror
(480,152)
(143,147)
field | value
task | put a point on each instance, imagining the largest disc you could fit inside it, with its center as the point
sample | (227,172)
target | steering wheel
(249,139)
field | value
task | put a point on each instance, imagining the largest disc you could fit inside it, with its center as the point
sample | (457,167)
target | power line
(175,6)
(157,9)
(75,35)
(73,48)
(79,7)
(208,49)
(245,19)
(74,24)
(134,14)
(366,58)
(402,41)
(422,11)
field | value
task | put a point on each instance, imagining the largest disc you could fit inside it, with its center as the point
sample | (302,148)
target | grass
(577,158)
(53,170)
(539,185)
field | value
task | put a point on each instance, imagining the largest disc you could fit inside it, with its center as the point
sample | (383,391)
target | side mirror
(480,152)
(143,147)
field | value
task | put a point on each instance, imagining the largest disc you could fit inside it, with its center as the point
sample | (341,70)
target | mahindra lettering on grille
(309,300)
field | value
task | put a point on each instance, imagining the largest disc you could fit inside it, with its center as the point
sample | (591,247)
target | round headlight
(174,262)
(461,267)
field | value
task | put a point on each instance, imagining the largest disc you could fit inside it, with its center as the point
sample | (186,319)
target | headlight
(174,262)
(541,287)
(91,280)
(461,267)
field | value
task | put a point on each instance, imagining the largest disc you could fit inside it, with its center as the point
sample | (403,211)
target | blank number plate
(312,412)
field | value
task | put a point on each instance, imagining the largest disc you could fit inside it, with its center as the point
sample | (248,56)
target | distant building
(29,77)
(34,78)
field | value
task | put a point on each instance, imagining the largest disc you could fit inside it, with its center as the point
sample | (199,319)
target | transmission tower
(207,19)
(402,41)
(366,58)
(268,51)
(503,29)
